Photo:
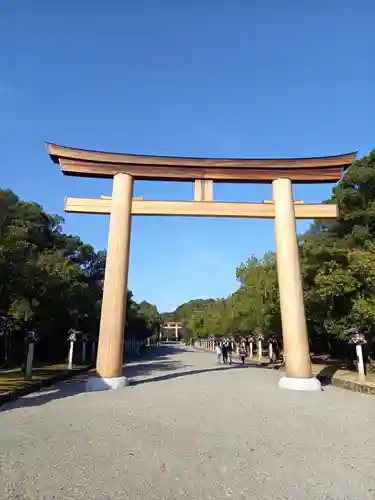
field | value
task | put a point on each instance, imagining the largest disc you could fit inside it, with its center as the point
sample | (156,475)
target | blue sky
(223,78)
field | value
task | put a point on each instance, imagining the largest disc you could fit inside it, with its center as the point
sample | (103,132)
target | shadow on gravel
(151,360)
(163,351)
(142,368)
(65,389)
(169,376)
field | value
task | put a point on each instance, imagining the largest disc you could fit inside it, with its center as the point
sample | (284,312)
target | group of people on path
(224,351)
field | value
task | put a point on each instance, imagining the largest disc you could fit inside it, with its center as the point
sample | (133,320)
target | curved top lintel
(58,153)
(83,162)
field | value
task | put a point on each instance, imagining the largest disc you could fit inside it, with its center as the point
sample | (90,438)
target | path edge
(9,396)
(349,385)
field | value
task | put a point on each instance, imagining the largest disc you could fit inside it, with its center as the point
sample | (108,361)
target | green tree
(49,280)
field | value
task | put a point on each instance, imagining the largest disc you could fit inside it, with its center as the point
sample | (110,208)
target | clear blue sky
(228,78)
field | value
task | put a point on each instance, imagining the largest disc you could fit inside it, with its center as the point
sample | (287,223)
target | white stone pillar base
(300,384)
(105,384)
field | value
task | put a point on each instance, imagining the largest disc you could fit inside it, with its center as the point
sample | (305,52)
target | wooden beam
(81,162)
(227,209)
(201,208)
(108,197)
(142,171)
(88,205)
(296,202)
(57,152)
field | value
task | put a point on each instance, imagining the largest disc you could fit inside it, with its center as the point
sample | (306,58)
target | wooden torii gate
(121,206)
(175,326)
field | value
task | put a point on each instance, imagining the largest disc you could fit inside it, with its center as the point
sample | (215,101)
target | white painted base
(300,384)
(105,384)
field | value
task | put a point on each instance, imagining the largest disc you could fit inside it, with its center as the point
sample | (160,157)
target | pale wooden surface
(198,190)
(296,202)
(201,208)
(208,190)
(296,347)
(109,197)
(203,190)
(183,173)
(112,322)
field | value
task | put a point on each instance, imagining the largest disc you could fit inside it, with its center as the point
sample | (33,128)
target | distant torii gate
(174,326)
(123,168)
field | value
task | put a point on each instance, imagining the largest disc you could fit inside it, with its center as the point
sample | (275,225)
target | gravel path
(188,429)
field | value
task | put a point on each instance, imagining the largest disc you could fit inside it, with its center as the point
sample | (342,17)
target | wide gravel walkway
(188,429)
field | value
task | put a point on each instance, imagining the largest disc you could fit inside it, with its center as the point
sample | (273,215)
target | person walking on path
(224,350)
(243,354)
(219,352)
(230,352)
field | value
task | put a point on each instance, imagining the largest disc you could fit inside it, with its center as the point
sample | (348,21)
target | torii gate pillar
(296,346)
(112,321)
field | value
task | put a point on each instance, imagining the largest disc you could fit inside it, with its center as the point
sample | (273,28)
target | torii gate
(174,326)
(203,172)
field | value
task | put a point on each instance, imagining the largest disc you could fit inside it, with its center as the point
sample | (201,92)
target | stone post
(29,361)
(71,353)
(84,344)
(360,364)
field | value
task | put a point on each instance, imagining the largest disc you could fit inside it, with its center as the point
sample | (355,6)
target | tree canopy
(50,281)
